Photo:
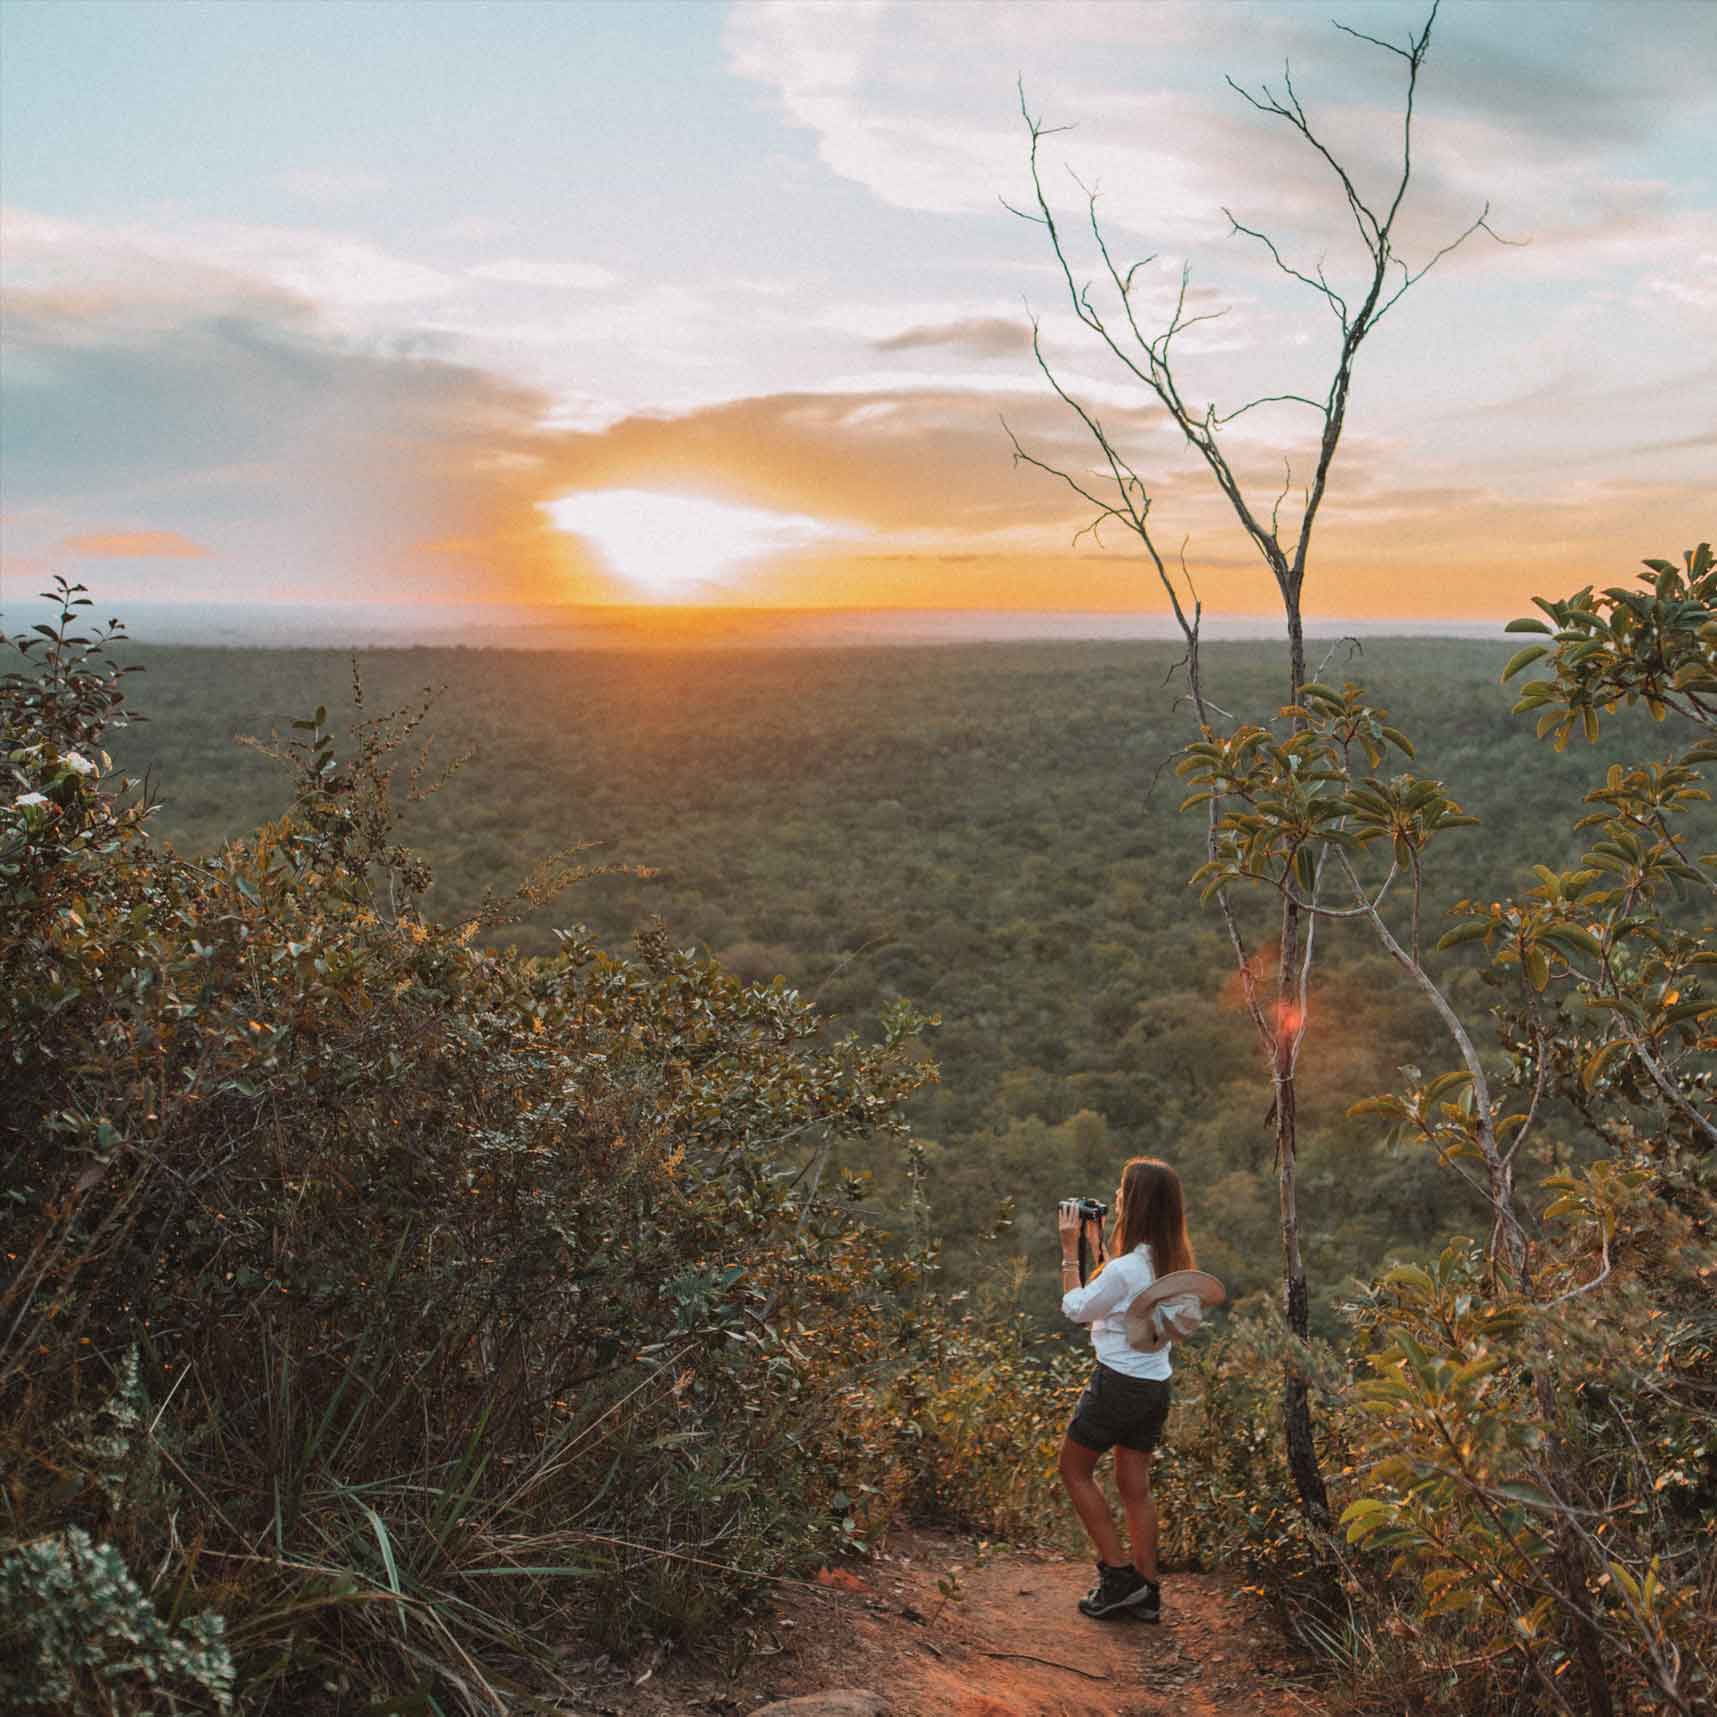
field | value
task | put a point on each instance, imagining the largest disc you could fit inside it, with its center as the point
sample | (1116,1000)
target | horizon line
(571,626)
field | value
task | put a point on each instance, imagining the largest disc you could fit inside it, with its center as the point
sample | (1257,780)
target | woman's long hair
(1150,1208)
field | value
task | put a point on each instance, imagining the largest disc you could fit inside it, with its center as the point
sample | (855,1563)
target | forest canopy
(989,831)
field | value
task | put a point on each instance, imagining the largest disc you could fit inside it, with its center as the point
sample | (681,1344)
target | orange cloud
(891,460)
(136,545)
(977,336)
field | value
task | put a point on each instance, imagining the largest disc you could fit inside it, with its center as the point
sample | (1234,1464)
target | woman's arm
(1097,1298)
(1067,1222)
(1085,1305)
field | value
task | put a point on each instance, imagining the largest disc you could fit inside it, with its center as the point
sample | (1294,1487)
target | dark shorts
(1116,1408)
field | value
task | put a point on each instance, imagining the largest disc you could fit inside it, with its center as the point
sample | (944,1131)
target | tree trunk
(1296,1407)
(1296,1304)
(1588,1649)
(1506,1239)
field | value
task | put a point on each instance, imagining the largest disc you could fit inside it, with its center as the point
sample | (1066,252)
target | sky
(448,304)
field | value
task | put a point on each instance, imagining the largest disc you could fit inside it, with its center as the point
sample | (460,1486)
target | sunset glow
(757,352)
(675,547)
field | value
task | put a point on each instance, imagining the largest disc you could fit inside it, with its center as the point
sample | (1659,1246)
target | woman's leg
(1133,1481)
(1078,1465)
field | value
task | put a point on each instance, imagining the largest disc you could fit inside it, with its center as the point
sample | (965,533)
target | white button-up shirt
(1102,1303)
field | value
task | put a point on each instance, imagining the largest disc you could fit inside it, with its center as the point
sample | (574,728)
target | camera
(1089,1210)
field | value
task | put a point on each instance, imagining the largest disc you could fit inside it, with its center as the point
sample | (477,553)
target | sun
(673,548)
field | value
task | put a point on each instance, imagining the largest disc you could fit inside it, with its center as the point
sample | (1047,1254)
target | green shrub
(465,1300)
(78,1633)
(1530,1438)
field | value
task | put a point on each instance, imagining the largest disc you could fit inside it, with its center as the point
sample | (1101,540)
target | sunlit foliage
(385,1309)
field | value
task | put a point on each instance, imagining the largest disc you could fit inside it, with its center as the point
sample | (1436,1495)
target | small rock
(838,1702)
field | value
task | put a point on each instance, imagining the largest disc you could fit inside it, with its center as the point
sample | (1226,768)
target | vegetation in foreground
(383,1308)
(1529,1439)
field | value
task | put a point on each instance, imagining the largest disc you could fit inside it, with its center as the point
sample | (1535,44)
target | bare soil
(1010,1644)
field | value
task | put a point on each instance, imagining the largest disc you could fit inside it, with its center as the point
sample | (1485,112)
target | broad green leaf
(1575,936)
(1522,659)
(1536,966)
(1446,1082)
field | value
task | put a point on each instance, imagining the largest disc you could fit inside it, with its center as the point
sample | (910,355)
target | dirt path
(1011,1645)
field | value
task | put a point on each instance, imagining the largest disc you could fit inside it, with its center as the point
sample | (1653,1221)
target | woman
(1127,1399)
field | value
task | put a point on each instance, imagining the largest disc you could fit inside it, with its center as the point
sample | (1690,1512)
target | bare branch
(1152,368)
(1541,1075)
(1143,262)
(1320,286)
(1370,230)
(1023,457)
(1265,399)
(1378,42)
(1415,58)
(1418,899)
(1408,280)
(1368,904)
(1664,1083)
(1024,215)
(1276,511)
(1354,647)
(1506,1232)
(1303,1014)
(1146,355)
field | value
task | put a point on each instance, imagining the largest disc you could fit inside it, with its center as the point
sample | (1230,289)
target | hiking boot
(1120,1592)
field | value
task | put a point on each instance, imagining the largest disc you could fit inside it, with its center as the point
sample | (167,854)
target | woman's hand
(1067,1222)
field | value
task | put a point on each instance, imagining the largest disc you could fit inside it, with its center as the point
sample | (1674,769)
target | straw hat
(1171,1309)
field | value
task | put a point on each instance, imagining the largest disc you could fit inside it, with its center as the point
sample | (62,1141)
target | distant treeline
(989,830)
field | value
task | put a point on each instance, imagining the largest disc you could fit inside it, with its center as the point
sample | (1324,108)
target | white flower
(31,799)
(77,763)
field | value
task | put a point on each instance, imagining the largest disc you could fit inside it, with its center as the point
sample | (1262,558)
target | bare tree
(1110,311)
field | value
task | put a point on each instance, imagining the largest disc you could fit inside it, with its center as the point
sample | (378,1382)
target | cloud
(330,465)
(923,111)
(514,271)
(1525,105)
(475,229)
(912,462)
(135,545)
(208,410)
(1700,441)
(978,337)
(1568,72)
(1688,280)
(325,466)
(329,468)
(330,270)
(333,271)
